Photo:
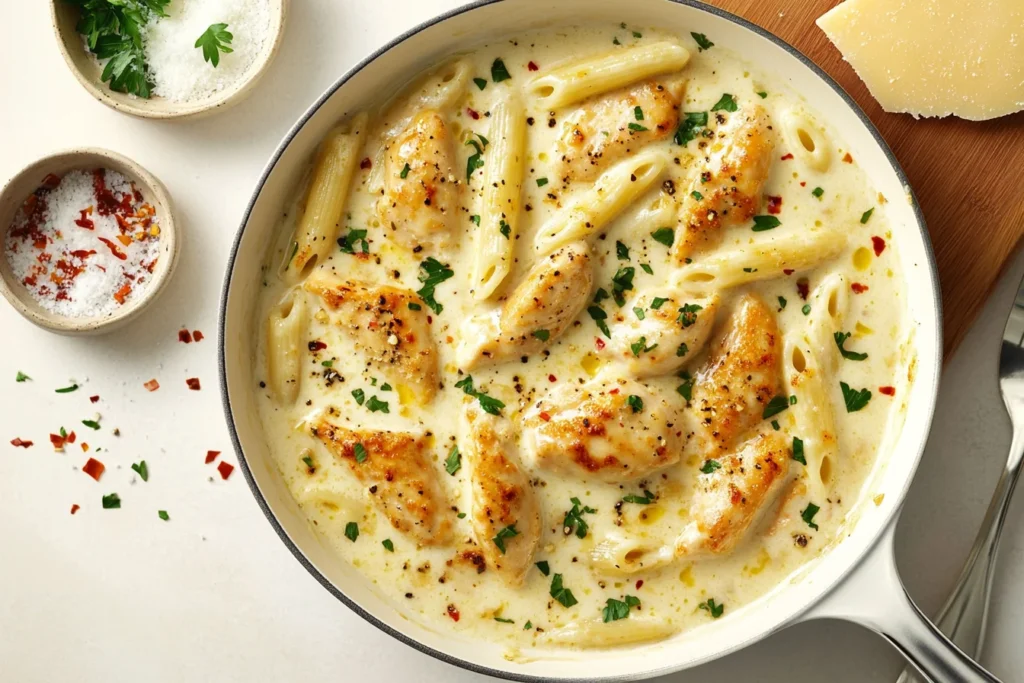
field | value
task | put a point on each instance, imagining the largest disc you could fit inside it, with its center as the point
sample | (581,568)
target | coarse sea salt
(176,65)
(85,244)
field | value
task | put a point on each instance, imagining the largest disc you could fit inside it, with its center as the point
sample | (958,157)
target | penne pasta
(829,304)
(503,181)
(763,260)
(318,225)
(591,633)
(284,346)
(812,412)
(570,83)
(806,140)
(592,209)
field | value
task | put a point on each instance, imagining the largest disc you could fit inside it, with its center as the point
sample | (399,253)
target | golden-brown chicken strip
(419,206)
(397,471)
(611,430)
(727,191)
(729,498)
(395,338)
(739,378)
(537,312)
(610,127)
(673,330)
(506,514)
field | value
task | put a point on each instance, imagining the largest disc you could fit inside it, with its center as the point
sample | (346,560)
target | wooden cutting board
(968,176)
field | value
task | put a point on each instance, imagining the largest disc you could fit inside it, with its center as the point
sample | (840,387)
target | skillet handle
(874,597)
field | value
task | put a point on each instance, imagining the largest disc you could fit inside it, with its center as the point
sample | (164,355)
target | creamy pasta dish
(582,339)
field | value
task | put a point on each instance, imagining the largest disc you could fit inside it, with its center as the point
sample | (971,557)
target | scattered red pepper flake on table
(197,335)
(888,391)
(75,508)
(211,456)
(786,157)
(94,399)
(94,468)
(184,336)
(152,385)
(858,288)
(193,383)
(225,469)
(85,447)
(879,245)
(58,441)
(774,204)
(21,443)
(71,437)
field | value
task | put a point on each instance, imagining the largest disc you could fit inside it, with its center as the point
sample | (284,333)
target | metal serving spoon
(965,613)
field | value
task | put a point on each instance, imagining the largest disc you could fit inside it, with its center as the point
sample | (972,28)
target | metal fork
(965,613)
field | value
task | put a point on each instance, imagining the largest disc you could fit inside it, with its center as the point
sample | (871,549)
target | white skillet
(856,580)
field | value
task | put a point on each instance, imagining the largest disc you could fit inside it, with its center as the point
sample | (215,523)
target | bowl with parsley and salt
(168,58)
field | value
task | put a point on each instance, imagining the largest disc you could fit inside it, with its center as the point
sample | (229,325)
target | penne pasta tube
(813,412)
(807,140)
(503,181)
(574,82)
(829,304)
(592,633)
(284,346)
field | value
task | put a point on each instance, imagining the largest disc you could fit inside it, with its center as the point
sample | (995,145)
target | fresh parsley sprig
(215,39)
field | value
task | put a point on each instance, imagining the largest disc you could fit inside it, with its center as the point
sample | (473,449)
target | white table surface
(213,594)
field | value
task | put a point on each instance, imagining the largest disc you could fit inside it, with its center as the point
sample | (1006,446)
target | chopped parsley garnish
(792,400)
(817,192)
(92,424)
(841,338)
(488,404)
(162,514)
(359,396)
(645,499)
(405,172)
(615,41)
(215,39)
(855,400)
(638,113)
(798,450)
(782,302)
(385,387)
(637,128)
(541,182)
(507,532)
(528,625)
(666,236)
(453,463)
(574,518)
(619,609)
(639,346)
(348,242)
(141,469)
(646,267)
(775,425)
(388,545)
(476,160)
(688,314)
(635,402)
(691,123)
(762,94)
(504,228)
(599,316)
(360,452)
(67,390)
(806,310)
(543,335)
(638,312)
(808,515)
(750,270)
(775,406)
(480,83)
(621,251)
(710,466)
(622,281)
(543,567)
(291,257)
(475,218)
(762,223)
(637,34)
(726,103)
(375,404)
(657,302)
(21,377)
(111,502)
(504,620)
(866,216)
(308,460)
(461,515)
(686,388)
(432,273)
(413,306)
(712,607)
(697,195)
(682,350)
(561,593)
(498,71)
(702,41)
(352,531)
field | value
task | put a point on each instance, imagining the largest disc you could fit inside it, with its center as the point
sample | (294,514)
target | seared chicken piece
(730,498)
(397,471)
(537,312)
(674,329)
(727,191)
(506,514)
(740,376)
(606,128)
(395,338)
(419,206)
(614,431)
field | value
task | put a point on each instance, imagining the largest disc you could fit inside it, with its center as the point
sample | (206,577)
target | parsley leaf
(352,531)
(498,71)
(504,620)
(476,160)
(622,281)
(682,350)
(726,103)
(657,302)
(111,502)
(162,514)
(388,545)
(432,273)
(359,395)
(488,404)
(405,172)
(798,450)
(619,609)
(855,400)
(639,313)
(686,388)
(702,41)
(866,216)
(691,123)
(574,519)
(639,346)
(688,314)
(697,195)
(712,607)
(782,302)
(666,236)
(360,453)
(21,377)
(453,463)
(710,466)
(543,567)
(621,251)
(817,192)
(775,406)
(635,402)
(142,469)
(806,310)
(763,223)
(561,593)
(67,390)
(543,335)
(508,532)
(375,404)
(480,83)
(92,424)
(645,499)
(807,514)
(215,39)
(599,316)
(348,242)
(637,128)
(841,338)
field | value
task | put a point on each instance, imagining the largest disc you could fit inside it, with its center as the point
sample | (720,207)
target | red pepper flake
(225,469)
(545,416)
(614,391)
(193,383)
(94,399)
(858,288)
(848,159)
(803,288)
(888,391)
(21,443)
(184,336)
(532,67)
(879,245)
(453,612)
(639,584)
(51,181)
(365,164)
(473,114)
(211,456)
(788,271)
(114,248)
(787,157)
(71,437)
(122,294)
(94,468)
(803,184)
(85,447)
(197,335)
(774,204)
(316,345)
(552,378)
(599,343)
(58,441)
(152,385)
(75,508)
(84,222)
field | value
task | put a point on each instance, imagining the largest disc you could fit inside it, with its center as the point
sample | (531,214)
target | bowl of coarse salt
(167,59)
(88,241)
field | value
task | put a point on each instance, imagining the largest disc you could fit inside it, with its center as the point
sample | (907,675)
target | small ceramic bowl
(87,69)
(13,197)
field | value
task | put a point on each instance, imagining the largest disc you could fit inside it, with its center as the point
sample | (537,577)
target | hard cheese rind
(935,57)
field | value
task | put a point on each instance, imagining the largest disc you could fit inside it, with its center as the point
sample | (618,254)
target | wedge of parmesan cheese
(935,57)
